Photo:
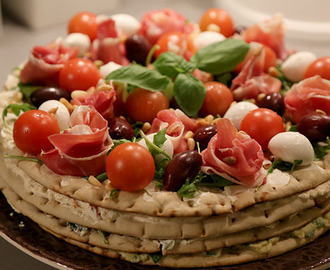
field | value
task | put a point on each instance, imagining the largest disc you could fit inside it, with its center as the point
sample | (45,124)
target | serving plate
(31,239)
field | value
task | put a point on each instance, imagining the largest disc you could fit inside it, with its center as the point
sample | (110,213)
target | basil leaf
(171,64)
(140,76)
(221,57)
(189,93)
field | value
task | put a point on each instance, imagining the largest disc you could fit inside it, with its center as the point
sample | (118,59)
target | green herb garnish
(15,109)
(284,165)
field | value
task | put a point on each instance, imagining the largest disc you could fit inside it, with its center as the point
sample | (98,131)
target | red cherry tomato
(78,74)
(143,105)
(220,18)
(176,42)
(320,66)
(31,131)
(130,167)
(85,23)
(262,125)
(217,100)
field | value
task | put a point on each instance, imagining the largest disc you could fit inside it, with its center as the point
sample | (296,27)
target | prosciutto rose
(159,22)
(252,81)
(45,63)
(177,124)
(234,156)
(86,143)
(307,96)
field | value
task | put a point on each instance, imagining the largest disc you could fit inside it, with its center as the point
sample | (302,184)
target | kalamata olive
(120,129)
(273,101)
(137,49)
(315,126)
(184,165)
(204,134)
(45,93)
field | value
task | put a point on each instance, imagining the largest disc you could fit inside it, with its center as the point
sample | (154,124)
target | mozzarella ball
(206,38)
(62,113)
(79,40)
(106,69)
(291,146)
(295,65)
(126,24)
(237,112)
(167,146)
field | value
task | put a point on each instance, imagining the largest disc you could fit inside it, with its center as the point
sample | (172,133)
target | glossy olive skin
(316,127)
(273,101)
(137,49)
(204,134)
(184,165)
(120,129)
(45,93)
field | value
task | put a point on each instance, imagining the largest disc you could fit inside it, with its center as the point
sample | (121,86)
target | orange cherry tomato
(130,167)
(78,74)
(220,18)
(262,125)
(320,66)
(217,100)
(176,42)
(143,105)
(85,23)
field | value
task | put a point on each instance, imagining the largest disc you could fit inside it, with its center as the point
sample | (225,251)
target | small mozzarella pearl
(106,69)
(62,114)
(126,24)
(167,146)
(236,112)
(206,38)
(295,65)
(79,40)
(291,146)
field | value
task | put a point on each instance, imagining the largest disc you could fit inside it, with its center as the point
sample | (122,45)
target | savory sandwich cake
(166,142)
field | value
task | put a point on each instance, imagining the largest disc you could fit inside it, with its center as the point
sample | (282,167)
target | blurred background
(27,23)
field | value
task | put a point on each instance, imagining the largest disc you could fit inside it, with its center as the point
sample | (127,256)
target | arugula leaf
(27,89)
(188,190)
(171,64)
(102,177)
(221,57)
(114,193)
(284,165)
(156,257)
(140,76)
(24,158)
(321,150)
(189,92)
(16,109)
(153,148)
(105,240)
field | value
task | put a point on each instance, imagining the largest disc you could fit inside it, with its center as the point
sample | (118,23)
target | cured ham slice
(177,124)
(270,33)
(107,46)
(86,143)
(252,81)
(45,63)
(234,156)
(102,101)
(306,97)
(159,22)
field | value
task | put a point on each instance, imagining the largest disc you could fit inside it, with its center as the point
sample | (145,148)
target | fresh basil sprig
(140,76)
(221,57)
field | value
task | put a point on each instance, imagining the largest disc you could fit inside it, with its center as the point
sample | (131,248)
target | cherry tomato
(143,105)
(320,66)
(217,100)
(31,131)
(262,125)
(85,23)
(219,18)
(130,167)
(176,42)
(78,74)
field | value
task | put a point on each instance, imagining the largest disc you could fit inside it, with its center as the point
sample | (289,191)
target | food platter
(31,239)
